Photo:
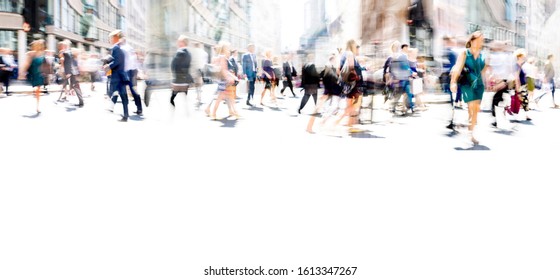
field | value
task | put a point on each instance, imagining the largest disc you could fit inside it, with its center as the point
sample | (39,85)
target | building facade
(208,22)
(329,24)
(134,25)
(86,23)
(265,25)
(11,22)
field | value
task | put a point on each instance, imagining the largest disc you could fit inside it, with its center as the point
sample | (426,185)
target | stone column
(22,48)
(51,42)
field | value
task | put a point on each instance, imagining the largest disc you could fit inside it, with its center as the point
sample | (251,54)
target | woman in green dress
(35,68)
(472,88)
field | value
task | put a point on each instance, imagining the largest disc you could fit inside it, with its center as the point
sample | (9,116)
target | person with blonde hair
(37,68)
(471,66)
(349,68)
(267,75)
(118,76)
(226,81)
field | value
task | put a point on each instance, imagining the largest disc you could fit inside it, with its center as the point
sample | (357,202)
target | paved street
(140,199)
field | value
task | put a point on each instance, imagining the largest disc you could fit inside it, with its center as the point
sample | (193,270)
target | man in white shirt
(199,58)
(131,68)
(502,65)
(7,66)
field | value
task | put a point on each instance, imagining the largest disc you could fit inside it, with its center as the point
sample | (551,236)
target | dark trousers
(121,88)
(131,83)
(310,90)
(5,79)
(498,97)
(174,94)
(76,87)
(251,91)
(288,84)
(553,90)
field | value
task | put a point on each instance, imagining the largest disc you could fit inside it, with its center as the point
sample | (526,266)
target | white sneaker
(111,106)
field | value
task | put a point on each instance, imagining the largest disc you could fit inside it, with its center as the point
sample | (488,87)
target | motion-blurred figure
(249,62)
(227,81)
(549,80)
(310,80)
(180,67)
(131,69)
(91,67)
(473,60)
(289,74)
(267,75)
(199,58)
(502,65)
(70,70)
(7,66)
(36,68)
(118,76)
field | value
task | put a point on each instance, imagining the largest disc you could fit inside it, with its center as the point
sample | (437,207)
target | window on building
(8,39)
(64,15)
(509,11)
(71,20)
(11,6)
(57,13)
(77,23)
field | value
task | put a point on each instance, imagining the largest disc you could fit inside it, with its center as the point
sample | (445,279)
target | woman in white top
(530,75)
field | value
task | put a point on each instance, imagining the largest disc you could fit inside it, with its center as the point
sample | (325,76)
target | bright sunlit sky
(292,23)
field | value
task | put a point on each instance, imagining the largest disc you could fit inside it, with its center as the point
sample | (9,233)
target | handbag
(417,86)
(464,76)
(515,103)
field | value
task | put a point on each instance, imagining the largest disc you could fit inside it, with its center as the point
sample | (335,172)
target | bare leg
(347,110)
(217,104)
(273,93)
(322,101)
(473,107)
(231,103)
(262,96)
(38,97)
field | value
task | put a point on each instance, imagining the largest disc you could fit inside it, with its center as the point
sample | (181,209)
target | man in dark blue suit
(118,76)
(249,62)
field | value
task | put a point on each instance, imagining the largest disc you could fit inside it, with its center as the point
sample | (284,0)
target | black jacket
(232,66)
(180,67)
(289,72)
(309,75)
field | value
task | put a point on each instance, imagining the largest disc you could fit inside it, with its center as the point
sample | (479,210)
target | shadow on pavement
(136,118)
(33,116)
(254,108)
(452,133)
(276,109)
(365,135)
(473,148)
(523,122)
(505,132)
(227,122)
